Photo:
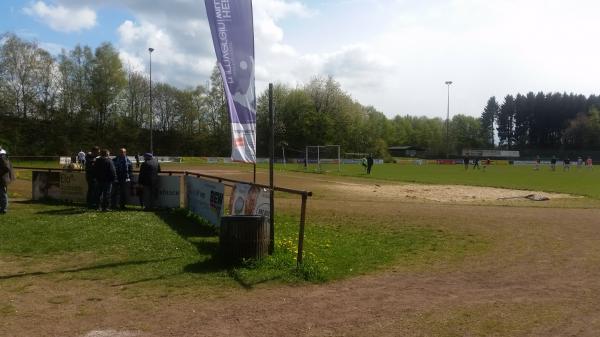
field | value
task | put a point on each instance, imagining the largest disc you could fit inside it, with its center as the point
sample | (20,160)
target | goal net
(323,158)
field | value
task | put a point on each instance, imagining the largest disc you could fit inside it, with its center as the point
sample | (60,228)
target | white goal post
(323,154)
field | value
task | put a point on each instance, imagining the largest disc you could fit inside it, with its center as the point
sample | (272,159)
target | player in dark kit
(475,163)
(466,162)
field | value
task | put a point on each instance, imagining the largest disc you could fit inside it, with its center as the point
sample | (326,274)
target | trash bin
(244,237)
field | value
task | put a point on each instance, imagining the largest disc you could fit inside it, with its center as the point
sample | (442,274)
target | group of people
(109,179)
(466,161)
(566,163)
(7,175)
(367,163)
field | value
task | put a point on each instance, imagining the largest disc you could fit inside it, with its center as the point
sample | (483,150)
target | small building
(405,151)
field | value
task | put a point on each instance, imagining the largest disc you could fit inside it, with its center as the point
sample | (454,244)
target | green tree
(466,133)
(107,81)
(505,122)
(488,116)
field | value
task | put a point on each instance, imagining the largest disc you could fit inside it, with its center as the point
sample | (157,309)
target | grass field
(576,181)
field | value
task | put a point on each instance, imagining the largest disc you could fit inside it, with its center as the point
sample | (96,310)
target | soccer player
(537,163)
(486,163)
(475,163)
(567,164)
(466,162)
(553,163)
(589,163)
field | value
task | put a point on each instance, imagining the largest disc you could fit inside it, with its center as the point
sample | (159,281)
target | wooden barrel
(244,237)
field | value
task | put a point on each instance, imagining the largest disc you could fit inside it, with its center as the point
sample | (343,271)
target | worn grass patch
(491,319)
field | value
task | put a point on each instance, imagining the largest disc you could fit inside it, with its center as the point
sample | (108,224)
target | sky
(395,55)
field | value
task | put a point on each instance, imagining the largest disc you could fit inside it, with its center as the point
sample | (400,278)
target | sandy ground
(539,278)
(439,193)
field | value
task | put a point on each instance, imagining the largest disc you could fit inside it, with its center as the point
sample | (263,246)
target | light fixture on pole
(150,50)
(448,83)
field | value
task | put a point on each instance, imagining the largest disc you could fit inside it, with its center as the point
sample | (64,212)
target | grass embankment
(171,250)
(576,181)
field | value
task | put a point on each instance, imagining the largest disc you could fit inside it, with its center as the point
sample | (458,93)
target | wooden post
(301,232)
(271,155)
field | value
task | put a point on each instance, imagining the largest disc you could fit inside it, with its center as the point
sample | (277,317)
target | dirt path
(539,278)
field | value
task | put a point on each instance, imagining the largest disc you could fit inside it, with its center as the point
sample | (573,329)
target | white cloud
(393,54)
(62,18)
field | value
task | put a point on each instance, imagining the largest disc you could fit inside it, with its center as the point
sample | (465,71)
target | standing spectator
(466,162)
(7,175)
(90,160)
(369,163)
(148,179)
(124,170)
(104,172)
(81,159)
(553,163)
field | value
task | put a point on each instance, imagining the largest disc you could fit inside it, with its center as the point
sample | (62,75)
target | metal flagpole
(271,155)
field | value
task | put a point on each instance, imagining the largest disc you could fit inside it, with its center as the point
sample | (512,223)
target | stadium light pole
(448,83)
(150,50)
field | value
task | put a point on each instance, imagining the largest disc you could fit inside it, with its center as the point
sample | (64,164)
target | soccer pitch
(577,181)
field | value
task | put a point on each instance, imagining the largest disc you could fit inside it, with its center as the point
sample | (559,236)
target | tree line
(544,121)
(52,105)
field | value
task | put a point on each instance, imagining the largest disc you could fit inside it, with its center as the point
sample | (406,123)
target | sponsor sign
(45,185)
(447,162)
(64,161)
(491,153)
(249,200)
(169,192)
(205,198)
(73,186)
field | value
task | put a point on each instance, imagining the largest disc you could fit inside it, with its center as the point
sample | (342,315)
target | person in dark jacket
(7,175)
(148,179)
(124,170)
(369,163)
(90,160)
(105,174)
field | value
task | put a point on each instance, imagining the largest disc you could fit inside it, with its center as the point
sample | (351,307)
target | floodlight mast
(448,83)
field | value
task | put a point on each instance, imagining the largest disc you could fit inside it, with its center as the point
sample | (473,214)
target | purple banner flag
(232,31)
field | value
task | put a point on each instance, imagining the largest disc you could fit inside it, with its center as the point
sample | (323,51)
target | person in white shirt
(81,158)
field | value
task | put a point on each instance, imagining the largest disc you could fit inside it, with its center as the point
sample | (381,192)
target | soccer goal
(320,158)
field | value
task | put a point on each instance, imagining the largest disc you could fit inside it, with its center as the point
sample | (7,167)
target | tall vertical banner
(232,31)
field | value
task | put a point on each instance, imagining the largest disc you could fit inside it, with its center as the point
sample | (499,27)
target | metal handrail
(172,172)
